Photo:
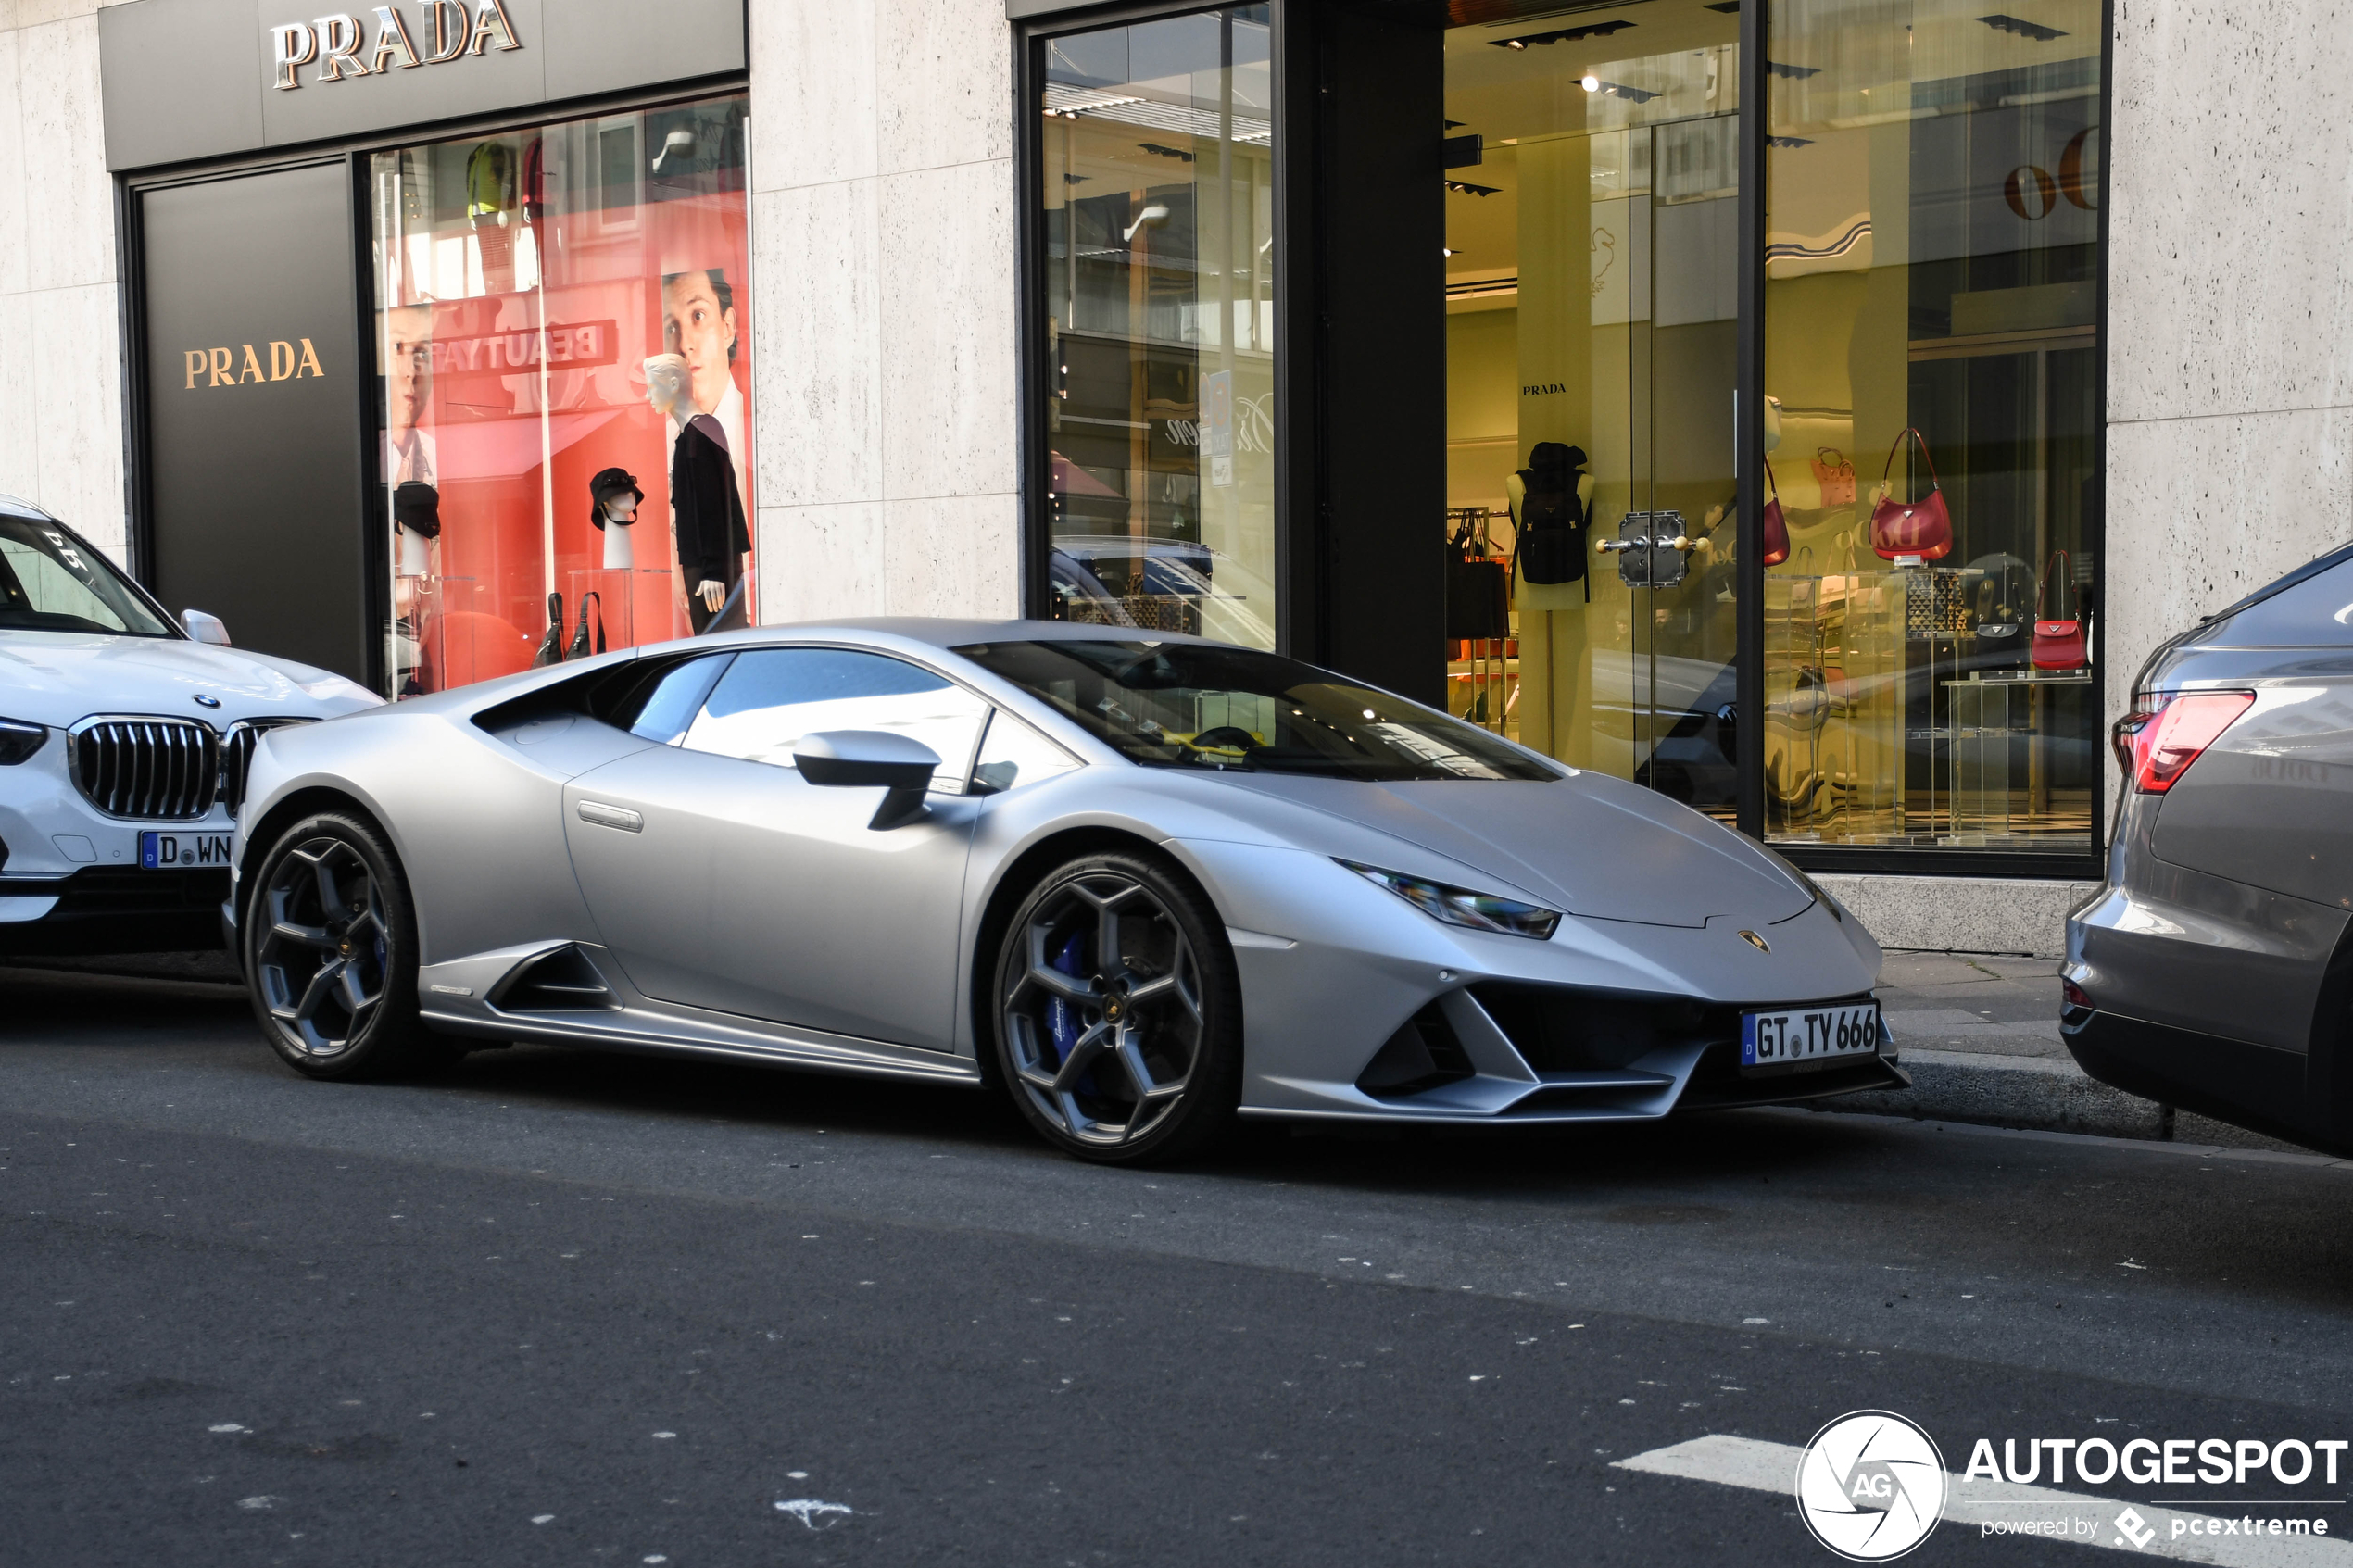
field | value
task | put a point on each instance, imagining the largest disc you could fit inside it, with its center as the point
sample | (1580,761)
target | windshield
(1192,704)
(52,582)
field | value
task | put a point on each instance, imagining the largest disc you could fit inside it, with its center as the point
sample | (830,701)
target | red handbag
(2058,645)
(1921,528)
(1775,527)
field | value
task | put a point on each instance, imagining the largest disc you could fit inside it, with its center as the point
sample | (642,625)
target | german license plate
(1809,1036)
(177,851)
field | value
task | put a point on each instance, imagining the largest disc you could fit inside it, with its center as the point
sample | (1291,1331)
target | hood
(60,678)
(1591,846)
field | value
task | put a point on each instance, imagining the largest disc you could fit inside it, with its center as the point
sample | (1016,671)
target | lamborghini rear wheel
(1119,1012)
(330,950)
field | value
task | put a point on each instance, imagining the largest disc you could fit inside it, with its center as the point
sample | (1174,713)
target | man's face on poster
(407,365)
(694,327)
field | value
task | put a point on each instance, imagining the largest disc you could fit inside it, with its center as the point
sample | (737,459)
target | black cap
(604,487)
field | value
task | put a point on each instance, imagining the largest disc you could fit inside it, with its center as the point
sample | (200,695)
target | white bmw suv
(123,745)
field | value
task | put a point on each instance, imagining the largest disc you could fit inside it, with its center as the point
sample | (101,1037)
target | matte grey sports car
(2215,969)
(1144,883)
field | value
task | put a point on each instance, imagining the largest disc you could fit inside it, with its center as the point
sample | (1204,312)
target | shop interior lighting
(2022,27)
(1563,35)
(1795,73)
(1464,188)
(1618,90)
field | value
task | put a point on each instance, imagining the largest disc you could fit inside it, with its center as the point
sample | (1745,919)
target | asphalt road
(558,1307)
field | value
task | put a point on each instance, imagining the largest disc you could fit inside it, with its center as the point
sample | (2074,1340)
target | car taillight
(2158,741)
(2074,995)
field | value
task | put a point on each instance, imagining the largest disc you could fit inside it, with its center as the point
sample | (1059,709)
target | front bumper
(112,909)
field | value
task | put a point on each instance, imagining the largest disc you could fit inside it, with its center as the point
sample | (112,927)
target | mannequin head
(622,508)
(667,379)
(614,497)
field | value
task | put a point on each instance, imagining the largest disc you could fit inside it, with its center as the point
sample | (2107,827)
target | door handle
(606,816)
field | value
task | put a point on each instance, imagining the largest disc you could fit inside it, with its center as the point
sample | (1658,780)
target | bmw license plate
(177,851)
(1809,1036)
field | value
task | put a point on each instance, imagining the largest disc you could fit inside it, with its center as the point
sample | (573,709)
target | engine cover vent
(562,981)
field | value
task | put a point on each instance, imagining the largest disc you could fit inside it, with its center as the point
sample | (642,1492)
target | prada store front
(440,352)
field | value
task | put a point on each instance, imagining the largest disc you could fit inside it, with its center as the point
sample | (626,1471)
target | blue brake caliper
(1062,1019)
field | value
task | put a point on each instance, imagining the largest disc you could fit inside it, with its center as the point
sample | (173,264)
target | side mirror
(863,758)
(205,628)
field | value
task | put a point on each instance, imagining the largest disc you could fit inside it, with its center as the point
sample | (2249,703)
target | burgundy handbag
(2058,645)
(1775,529)
(1921,528)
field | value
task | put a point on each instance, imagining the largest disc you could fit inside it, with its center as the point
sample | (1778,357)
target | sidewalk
(1978,1033)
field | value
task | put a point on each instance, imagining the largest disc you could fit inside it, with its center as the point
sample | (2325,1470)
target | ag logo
(1871,1486)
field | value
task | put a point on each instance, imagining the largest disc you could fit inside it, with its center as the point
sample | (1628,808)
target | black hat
(416,506)
(604,487)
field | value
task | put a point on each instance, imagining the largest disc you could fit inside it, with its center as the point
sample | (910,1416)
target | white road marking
(1772,1467)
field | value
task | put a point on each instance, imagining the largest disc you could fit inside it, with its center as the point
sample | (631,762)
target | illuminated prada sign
(337,45)
(220,368)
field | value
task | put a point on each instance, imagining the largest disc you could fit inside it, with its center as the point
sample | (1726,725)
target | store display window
(1157,202)
(1932,290)
(1591,194)
(563,338)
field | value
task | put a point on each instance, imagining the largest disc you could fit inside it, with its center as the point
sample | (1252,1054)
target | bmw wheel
(1119,1012)
(330,950)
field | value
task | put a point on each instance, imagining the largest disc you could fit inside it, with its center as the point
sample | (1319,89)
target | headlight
(20,740)
(1460,906)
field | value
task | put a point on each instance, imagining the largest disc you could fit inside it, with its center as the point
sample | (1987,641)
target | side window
(770,697)
(663,707)
(1013,754)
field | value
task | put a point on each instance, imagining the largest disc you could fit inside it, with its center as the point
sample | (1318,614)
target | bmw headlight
(1460,906)
(20,740)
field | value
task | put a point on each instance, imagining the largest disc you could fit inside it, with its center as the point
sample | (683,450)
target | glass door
(1592,201)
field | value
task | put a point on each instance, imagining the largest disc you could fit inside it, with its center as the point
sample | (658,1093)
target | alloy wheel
(322,959)
(1104,1019)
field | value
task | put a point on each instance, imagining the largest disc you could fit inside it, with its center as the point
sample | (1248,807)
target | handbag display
(1835,475)
(551,647)
(2001,630)
(1772,528)
(1551,545)
(580,639)
(1921,528)
(2058,645)
(1477,592)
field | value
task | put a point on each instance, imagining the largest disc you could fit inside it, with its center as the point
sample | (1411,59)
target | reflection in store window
(1932,265)
(1158,198)
(564,343)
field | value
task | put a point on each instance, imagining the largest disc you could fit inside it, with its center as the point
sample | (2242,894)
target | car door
(719,877)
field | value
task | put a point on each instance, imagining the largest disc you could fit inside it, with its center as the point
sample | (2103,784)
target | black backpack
(1552,520)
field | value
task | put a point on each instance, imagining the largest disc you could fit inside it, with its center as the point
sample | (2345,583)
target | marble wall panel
(77,416)
(20,444)
(948,378)
(820,383)
(2231,286)
(953,556)
(14,258)
(820,563)
(69,197)
(812,93)
(945,75)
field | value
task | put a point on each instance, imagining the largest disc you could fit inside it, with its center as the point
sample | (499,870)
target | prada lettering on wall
(208,368)
(337,45)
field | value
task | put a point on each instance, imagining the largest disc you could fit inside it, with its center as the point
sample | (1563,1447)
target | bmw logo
(203,701)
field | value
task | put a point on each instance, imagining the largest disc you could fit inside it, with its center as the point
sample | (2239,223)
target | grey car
(1142,883)
(2214,971)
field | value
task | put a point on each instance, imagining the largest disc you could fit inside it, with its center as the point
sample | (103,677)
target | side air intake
(1423,1054)
(562,981)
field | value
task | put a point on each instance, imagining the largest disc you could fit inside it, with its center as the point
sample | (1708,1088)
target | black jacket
(711,535)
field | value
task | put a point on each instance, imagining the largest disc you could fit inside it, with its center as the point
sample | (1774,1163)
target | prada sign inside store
(195,79)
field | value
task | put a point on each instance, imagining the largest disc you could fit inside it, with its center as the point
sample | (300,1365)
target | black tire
(331,954)
(1159,1023)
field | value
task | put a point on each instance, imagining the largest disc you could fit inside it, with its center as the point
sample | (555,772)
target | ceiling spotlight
(1448,250)
(1592,83)
(1515,43)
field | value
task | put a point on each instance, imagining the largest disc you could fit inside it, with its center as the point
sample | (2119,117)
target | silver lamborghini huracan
(1145,882)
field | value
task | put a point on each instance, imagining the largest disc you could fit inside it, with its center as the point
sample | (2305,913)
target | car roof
(18,506)
(949,632)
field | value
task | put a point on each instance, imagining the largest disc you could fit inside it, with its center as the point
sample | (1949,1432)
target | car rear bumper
(112,909)
(2259,1087)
